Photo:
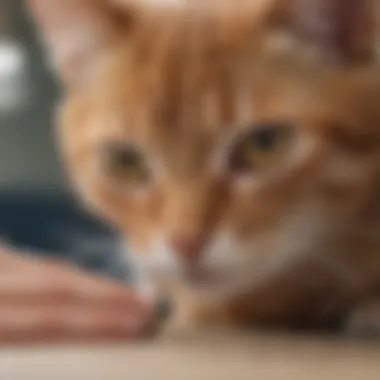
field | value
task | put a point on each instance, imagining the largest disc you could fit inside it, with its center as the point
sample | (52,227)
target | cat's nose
(188,246)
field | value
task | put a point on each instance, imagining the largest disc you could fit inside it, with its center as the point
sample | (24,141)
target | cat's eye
(264,145)
(124,164)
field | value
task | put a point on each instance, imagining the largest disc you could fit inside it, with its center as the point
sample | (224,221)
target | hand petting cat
(43,300)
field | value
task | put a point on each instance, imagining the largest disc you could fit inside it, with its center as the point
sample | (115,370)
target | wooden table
(208,356)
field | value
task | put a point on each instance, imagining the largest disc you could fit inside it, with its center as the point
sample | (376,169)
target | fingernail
(134,325)
(139,311)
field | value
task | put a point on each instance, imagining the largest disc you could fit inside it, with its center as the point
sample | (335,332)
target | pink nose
(188,246)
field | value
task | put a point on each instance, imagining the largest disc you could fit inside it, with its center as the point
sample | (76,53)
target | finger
(8,258)
(13,259)
(50,276)
(68,289)
(60,282)
(52,323)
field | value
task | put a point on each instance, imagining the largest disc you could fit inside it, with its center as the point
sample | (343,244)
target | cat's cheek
(113,207)
(125,208)
(112,204)
(250,211)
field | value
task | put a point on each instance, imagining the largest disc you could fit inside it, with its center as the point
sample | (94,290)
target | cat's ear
(76,32)
(341,31)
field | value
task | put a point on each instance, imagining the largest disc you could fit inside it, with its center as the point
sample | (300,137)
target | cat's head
(222,140)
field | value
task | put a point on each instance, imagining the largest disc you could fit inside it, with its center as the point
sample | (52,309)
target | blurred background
(37,211)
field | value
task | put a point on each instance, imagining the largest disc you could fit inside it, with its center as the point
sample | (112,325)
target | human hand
(45,300)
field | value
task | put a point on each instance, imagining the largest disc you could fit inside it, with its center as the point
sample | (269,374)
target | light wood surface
(217,355)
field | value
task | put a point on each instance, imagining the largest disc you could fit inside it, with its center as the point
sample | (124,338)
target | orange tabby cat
(235,144)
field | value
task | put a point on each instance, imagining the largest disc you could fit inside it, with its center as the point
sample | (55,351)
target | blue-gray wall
(27,152)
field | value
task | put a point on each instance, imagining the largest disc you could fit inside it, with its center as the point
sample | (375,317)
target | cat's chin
(204,283)
(202,277)
(210,284)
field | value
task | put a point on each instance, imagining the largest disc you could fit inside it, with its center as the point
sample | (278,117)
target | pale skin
(44,300)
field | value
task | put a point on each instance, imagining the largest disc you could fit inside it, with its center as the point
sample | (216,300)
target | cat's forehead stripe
(220,107)
(226,104)
(211,109)
(244,108)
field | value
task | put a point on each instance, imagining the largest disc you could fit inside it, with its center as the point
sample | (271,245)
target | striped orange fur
(236,233)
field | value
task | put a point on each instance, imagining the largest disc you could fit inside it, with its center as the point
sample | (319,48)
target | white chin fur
(240,265)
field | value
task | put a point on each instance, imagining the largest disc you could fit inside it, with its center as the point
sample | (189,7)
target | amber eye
(124,164)
(264,145)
